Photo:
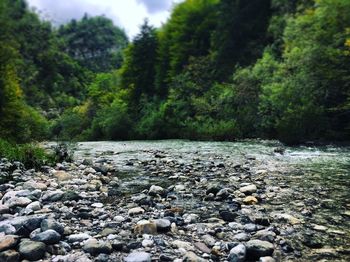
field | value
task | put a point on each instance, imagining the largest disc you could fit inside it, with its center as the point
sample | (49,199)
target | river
(312,183)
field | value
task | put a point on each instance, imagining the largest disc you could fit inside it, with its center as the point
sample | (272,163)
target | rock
(76,257)
(320,228)
(228,216)
(286,218)
(179,188)
(182,244)
(119,219)
(8,229)
(213,189)
(71,196)
(97,205)
(108,231)
(4,209)
(32,185)
(62,176)
(9,256)
(52,196)
(145,227)
(136,211)
(237,254)
(267,259)
(89,170)
(223,194)
(190,218)
(26,224)
(18,202)
(313,241)
(192,257)
(209,240)
(94,247)
(163,225)
(34,206)
(47,224)
(138,257)
(156,190)
(265,235)
(241,237)
(32,250)
(249,189)
(147,243)
(259,248)
(48,237)
(8,241)
(78,237)
(250,200)
(202,247)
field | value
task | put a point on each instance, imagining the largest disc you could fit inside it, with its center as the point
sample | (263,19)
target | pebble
(52,196)
(237,254)
(145,227)
(78,237)
(138,257)
(47,224)
(48,237)
(136,211)
(156,190)
(258,248)
(8,241)
(249,189)
(9,256)
(32,250)
(163,225)
(250,200)
(94,247)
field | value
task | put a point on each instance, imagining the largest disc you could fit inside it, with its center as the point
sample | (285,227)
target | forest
(216,70)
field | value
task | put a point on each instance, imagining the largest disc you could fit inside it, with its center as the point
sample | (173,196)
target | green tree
(138,71)
(240,35)
(186,34)
(95,42)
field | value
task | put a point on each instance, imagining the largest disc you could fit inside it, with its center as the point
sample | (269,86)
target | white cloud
(155,6)
(128,14)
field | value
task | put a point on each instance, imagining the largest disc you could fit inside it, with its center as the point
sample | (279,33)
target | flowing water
(317,178)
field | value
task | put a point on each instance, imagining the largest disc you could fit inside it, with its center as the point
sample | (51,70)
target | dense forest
(217,69)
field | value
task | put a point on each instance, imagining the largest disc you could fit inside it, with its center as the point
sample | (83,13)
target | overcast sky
(128,14)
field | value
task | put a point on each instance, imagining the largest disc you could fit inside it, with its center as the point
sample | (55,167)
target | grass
(31,155)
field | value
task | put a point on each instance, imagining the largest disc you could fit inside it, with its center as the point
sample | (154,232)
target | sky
(128,14)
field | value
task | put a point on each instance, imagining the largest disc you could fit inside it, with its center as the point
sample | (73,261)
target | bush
(31,155)
(210,129)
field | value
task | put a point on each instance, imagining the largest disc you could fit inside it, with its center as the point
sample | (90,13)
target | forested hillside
(217,69)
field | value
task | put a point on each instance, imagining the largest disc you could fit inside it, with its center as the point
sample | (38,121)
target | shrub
(31,155)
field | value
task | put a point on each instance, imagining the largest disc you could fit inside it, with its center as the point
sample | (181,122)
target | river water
(316,180)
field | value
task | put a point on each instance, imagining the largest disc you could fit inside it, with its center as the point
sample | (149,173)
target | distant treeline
(217,69)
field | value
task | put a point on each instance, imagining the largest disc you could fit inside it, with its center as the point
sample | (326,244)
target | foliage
(217,69)
(31,155)
(95,42)
(186,34)
(138,71)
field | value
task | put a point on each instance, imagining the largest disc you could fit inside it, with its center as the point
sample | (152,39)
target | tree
(138,71)
(186,34)
(240,35)
(95,42)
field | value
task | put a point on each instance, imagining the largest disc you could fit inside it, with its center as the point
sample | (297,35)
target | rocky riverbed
(179,201)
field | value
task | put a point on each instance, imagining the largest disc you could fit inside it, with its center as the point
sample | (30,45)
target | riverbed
(177,200)
(312,183)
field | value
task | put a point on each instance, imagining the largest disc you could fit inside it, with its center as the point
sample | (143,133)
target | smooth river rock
(32,250)
(259,248)
(138,257)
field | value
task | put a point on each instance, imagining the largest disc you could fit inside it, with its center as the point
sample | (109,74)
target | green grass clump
(31,155)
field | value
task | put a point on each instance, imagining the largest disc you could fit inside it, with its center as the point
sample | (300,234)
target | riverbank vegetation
(217,69)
